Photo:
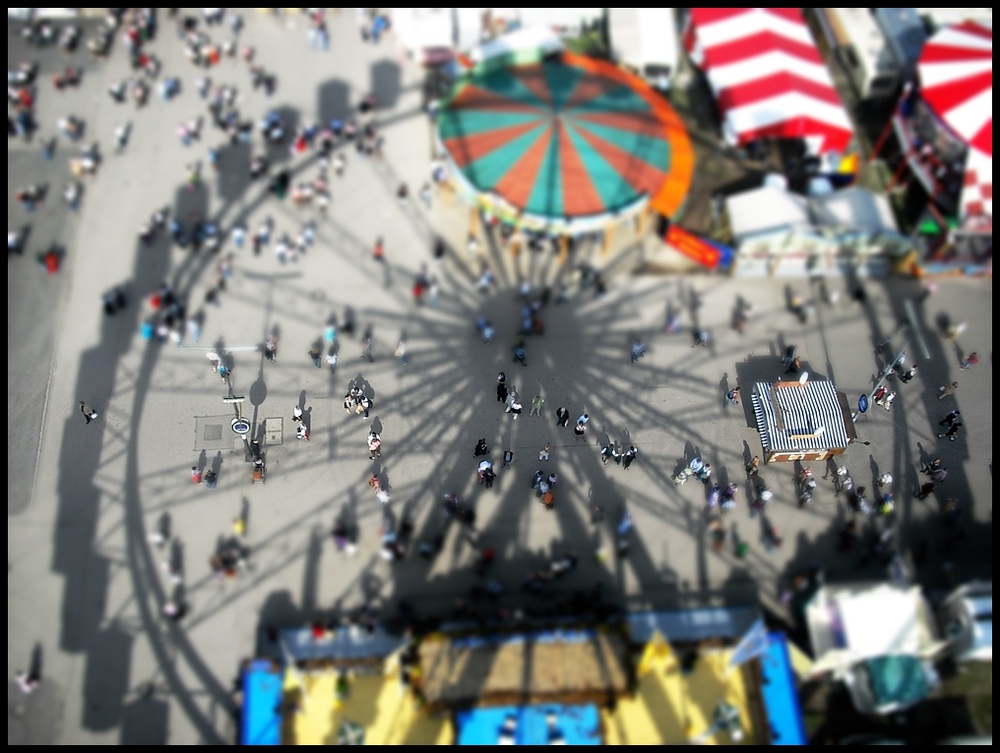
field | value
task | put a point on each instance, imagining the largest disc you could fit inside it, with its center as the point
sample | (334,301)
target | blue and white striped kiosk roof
(801,416)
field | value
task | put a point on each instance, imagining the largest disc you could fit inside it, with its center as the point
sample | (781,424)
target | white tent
(779,233)
(849,624)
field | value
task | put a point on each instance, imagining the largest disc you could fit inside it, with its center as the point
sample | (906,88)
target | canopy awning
(767,76)
(956,80)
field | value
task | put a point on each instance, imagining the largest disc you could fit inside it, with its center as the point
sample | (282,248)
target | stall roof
(674,705)
(854,209)
(781,697)
(692,624)
(345,644)
(856,622)
(571,666)
(260,716)
(767,76)
(763,210)
(546,724)
(794,416)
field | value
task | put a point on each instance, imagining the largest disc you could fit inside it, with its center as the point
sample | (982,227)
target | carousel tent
(956,81)
(768,78)
(562,142)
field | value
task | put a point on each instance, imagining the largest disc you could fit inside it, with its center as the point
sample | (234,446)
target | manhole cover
(273,429)
(213,433)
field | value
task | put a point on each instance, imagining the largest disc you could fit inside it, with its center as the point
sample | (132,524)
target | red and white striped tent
(956,81)
(767,76)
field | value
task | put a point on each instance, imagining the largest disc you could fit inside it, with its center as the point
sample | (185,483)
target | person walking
(519,355)
(331,361)
(271,348)
(301,432)
(515,408)
(401,352)
(925,491)
(562,417)
(316,354)
(366,347)
(88,413)
(887,400)
(630,455)
(583,419)
(211,479)
(297,414)
(638,350)
(950,418)
(607,452)
(536,405)
(374,445)
(952,431)
(508,458)
(195,474)
(733,396)
(970,360)
(753,466)
(580,429)
(947,390)
(501,387)
(480,448)
(931,467)
(378,252)
(544,453)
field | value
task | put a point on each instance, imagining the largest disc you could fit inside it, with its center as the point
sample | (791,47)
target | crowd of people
(220,135)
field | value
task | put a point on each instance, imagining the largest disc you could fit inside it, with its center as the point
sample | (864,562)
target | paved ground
(86,586)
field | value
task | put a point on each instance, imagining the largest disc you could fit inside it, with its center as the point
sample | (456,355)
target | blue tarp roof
(345,643)
(781,698)
(575,725)
(692,624)
(261,717)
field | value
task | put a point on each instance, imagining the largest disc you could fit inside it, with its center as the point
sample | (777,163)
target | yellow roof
(377,703)
(672,708)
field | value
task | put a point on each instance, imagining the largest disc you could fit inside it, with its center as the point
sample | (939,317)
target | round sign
(863,403)
(240,426)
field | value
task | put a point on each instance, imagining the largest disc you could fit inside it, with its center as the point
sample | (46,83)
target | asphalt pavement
(87,582)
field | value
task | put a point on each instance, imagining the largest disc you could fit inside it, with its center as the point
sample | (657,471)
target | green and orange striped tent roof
(566,136)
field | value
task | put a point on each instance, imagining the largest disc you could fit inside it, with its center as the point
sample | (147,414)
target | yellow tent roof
(672,708)
(377,703)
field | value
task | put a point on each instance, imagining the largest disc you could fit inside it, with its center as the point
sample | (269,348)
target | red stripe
(983,141)
(579,194)
(975,28)
(589,87)
(475,98)
(519,181)
(789,14)
(945,53)
(834,139)
(756,44)
(642,176)
(645,123)
(774,86)
(532,77)
(470,147)
(944,97)
(706,16)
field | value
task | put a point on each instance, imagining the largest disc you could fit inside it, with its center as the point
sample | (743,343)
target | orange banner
(693,247)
